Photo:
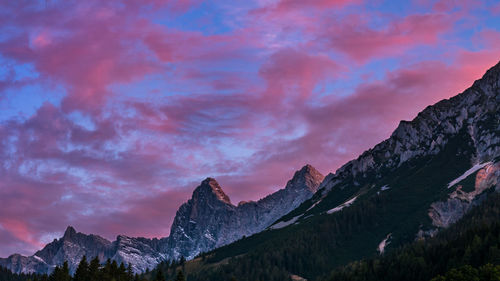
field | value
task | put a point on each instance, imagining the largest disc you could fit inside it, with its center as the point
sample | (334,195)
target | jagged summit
(307,177)
(70,232)
(209,220)
(210,186)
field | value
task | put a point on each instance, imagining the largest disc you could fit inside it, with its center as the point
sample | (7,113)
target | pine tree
(122,273)
(180,276)
(82,272)
(54,274)
(61,273)
(114,269)
(94,274)
(65,272)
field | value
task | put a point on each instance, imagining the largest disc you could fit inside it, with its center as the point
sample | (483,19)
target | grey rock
(444,213)
(141,253)
(206,221)
(209,220)
(475,110)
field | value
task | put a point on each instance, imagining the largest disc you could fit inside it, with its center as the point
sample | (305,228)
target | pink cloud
(90,48)
(292,72)
(362,43)
(288,6)
(284,5)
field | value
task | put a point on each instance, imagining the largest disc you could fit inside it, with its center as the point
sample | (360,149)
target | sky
(112,112)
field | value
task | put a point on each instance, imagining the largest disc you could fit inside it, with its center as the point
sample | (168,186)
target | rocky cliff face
(142,253)
(72,247)
(209,220)
(432,169)
(198,223)
(444,213)
(476,111)
(206,221)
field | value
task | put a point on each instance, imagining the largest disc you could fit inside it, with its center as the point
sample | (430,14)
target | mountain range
(206,221)
(424,178)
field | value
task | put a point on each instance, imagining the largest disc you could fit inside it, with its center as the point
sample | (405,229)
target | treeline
(486,272)
(91,271)
(468,249)
(473,241)
(110,271)
(167,270)
(94,271)
(7,275)
(307,249)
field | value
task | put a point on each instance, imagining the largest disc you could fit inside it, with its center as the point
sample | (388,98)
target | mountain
(426,176)
(142,253)
(206,221)
(209,220)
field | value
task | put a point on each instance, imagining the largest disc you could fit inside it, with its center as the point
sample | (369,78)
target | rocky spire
(70,232)
(209,188)
(307,177)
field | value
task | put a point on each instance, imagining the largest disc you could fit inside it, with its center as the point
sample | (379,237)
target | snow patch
(314,205)
(282,224)
(384,243)
(468,173)
(39,258)
(342,206)
(209,236)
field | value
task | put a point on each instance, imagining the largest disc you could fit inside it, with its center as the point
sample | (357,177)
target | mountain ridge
(144,253)
(194,229)
(397,191)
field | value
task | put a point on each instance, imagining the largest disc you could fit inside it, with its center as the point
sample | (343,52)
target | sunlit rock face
(209,219)
(206,221)
(444,213)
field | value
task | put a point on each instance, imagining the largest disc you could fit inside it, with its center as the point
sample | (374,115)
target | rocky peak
(307,177)
(210,188)
(69,233)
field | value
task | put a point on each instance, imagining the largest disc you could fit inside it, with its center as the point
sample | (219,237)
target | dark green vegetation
(471,243)
(7,275)
(486,272)
(167,270)
(324,241)
(93,270)
(86,271)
